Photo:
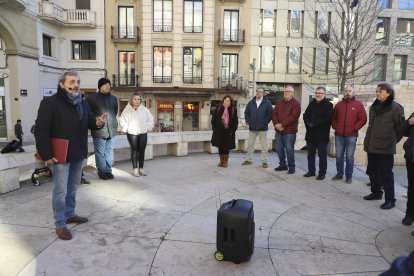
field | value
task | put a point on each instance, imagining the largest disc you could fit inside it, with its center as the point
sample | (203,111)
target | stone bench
(9,168)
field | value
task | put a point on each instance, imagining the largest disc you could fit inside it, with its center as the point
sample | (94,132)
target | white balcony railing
(80,17)
(56,14)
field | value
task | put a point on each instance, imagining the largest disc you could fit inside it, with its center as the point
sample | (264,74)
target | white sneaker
(135,172)
(142,172)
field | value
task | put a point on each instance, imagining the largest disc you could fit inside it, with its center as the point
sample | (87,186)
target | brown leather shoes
(64,233)
(77,219)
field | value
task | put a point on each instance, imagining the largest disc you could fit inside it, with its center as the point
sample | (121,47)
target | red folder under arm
(59,148)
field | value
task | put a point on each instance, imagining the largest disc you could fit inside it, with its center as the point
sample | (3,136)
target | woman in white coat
(136,120)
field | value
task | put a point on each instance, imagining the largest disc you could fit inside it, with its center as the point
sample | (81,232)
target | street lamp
(252,66)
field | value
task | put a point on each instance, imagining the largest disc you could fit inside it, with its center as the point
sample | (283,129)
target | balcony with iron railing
(162,28)
(72,18)
(126,34)
(119,80)
(231,37)
(192,80)
(228,82)
(162,79)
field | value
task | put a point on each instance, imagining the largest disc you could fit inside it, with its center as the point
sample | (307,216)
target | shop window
(165,110)
(191,116)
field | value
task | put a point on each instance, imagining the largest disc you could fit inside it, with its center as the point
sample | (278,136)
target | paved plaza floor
(165,223)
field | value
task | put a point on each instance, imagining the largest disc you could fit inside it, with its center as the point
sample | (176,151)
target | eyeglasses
(319,93)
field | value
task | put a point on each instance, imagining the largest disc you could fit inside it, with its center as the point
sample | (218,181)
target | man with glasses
(349,116)
(317,118)
(258,115)
(65,115)
(285,118)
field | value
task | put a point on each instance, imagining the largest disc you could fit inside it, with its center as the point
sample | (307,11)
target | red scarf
(225,117)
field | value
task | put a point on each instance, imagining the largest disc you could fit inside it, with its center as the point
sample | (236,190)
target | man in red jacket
(349,116)
(285,118)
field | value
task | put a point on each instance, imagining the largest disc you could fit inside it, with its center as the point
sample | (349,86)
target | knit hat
(103,81)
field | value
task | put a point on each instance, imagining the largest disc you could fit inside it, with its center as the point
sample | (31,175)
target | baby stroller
(41,168)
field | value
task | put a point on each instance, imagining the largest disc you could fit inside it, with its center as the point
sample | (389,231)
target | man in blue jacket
(65,115)
(258,115)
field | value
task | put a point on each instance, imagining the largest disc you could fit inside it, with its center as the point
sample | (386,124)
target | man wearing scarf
(385,130)
(65,115)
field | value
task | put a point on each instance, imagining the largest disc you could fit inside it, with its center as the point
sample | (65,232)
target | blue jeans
(285,147)
(345,145)
(322,154)
(66,180)
(104,154)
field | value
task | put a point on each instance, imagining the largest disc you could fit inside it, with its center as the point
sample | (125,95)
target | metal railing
(231,36)
(125,80)
(125,33)
(161,79)
(162,28)
(194,80)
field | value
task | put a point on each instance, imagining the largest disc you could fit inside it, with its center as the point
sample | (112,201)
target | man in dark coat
(66,116)
(18,131)
(258,115)
(317,118)
(385,129)
(103,138)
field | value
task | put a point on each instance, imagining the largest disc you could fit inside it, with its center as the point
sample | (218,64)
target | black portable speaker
(235,231)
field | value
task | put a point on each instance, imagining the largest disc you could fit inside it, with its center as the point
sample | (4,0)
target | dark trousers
(410,192)
(322,154)
(20,138)
(138,144)
(223,152)
(380,174)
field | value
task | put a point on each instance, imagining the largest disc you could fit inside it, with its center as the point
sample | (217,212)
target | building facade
(38,41)
(184,56)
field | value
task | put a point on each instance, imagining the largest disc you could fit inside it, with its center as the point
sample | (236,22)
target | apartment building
(168,51)
(38,41)
(184,56)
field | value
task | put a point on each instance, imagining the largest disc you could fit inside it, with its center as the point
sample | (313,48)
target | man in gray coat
(103,139)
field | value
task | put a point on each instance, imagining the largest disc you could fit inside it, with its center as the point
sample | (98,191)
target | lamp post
(252,67)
